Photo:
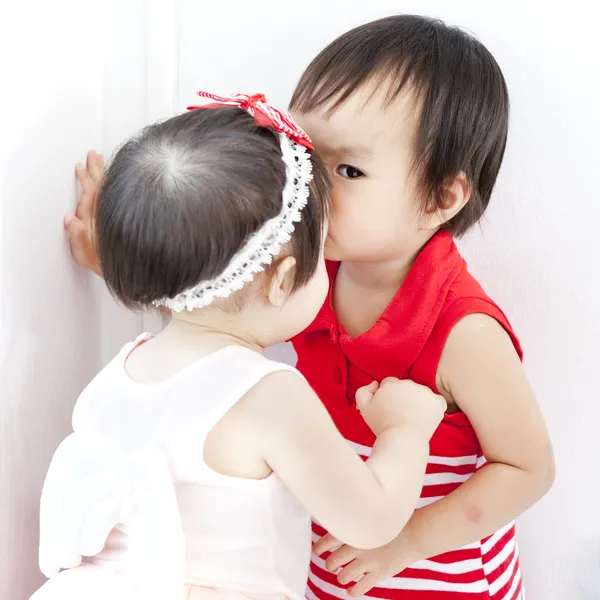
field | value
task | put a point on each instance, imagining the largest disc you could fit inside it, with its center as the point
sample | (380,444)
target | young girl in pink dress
(204,459)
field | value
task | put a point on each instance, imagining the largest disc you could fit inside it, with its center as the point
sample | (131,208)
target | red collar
(395,341)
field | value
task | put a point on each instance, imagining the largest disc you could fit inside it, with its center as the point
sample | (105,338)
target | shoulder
(468,318)
(470,315)
(472,318)
(279,394)
(284,379)
(476,332)
(478,347)
(280,408)
(89,407)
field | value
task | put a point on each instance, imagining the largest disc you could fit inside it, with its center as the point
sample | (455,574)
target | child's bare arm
(363,504)
(481,372)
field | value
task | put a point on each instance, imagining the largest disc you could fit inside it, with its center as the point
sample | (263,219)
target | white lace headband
(266,243)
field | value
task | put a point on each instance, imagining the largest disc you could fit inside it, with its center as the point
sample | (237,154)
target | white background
(77,75)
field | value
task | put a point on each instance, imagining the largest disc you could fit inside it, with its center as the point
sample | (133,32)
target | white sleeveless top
(251,536)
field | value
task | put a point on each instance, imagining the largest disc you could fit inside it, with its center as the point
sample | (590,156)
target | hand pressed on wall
(79,225)
(366,567)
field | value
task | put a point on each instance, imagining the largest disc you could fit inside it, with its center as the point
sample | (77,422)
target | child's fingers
(79,243)
(89,178)
(81,248)
(365,394)
(352,572)
(95,165)
(325,544)
(88,185)
(85,205)
(84,208)
(74,226)
(365,585)
(341,557)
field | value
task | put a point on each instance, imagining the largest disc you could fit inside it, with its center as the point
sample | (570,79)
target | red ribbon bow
(264,114)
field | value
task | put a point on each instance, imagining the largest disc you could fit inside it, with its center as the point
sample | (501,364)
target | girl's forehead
(358,128)
(366,114)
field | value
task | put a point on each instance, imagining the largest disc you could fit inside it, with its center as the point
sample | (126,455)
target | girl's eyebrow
(349,151)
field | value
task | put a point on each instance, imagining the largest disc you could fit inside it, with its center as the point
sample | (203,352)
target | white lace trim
(262,246)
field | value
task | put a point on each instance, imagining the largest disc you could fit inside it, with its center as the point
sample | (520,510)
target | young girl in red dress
(411,117)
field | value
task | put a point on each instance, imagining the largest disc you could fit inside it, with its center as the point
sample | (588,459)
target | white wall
(537,252)
(78,74)
(74,76)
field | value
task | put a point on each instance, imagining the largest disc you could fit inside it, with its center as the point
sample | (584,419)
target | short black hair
(462,97)
(182,197)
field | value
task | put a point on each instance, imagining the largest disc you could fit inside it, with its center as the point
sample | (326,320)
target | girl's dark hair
(183,196)
(462,94)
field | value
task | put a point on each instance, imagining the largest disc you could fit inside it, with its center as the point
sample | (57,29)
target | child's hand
(79,225)
(366,567)
(396,403)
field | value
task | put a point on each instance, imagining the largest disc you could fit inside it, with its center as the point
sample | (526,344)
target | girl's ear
(454,196)
(280,284)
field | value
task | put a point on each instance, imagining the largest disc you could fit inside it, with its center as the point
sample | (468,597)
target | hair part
(182,197)
(460,93)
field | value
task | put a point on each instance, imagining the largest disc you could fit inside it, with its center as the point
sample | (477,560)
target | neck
(380,275)
(214,329)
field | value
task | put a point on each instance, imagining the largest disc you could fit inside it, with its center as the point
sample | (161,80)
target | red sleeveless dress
(407,342)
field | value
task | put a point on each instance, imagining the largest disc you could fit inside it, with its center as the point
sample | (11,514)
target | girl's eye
(349,172)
